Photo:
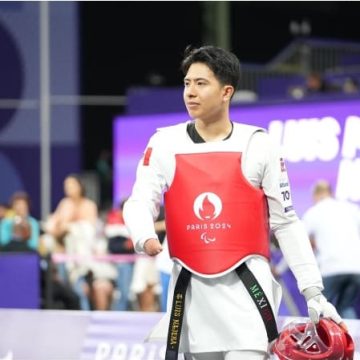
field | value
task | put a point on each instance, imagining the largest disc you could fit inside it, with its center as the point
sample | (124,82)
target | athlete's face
(204,96)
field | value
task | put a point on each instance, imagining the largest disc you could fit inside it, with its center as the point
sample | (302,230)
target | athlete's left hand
(318,306)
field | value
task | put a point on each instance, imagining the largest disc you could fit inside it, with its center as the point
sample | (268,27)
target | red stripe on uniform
(147,155)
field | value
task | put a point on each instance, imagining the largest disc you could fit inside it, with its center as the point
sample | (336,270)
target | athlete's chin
(193,113)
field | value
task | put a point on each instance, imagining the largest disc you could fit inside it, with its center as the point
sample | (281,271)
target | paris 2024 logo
(207,208)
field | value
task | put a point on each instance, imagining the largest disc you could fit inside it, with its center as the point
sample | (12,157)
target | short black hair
(224,64)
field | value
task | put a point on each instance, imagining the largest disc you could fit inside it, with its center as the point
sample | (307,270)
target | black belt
(178,307)
(177,314)
(261,301)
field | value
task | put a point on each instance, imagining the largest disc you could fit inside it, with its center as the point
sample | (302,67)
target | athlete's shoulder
(248,128)
(250,133)
(168,134)
(173,128)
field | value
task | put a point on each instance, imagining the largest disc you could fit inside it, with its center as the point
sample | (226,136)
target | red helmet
(305,341)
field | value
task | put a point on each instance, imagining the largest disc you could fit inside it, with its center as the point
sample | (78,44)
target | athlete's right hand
(152,247)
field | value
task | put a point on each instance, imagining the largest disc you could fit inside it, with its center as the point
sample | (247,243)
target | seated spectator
(119,242)
(315,84)
(164,265)
(145,283)
(55,293)
(163,262)
(117,233)
(21,231)
(4,209)
(73,226)
(74,209)
(3,213)
(146,277)
(102,276)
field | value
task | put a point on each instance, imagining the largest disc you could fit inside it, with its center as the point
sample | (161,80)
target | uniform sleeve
(142,207)
(266,168)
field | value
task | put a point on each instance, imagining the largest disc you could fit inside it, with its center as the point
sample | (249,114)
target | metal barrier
(114,258)
(302,56)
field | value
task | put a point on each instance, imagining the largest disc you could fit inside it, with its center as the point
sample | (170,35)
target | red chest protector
(214,216)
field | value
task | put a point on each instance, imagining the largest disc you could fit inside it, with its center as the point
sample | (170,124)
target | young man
(225,187)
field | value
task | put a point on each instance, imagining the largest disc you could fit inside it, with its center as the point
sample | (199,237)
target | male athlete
(225,187)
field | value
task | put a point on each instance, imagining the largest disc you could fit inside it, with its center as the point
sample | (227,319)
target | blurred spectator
(119,242)
(315,84)
(146,277)
(116,232)
(4,208)
(102,276)
(21,231)
(3,213)
(145,282)
(163,262)
(350,86)
(73,225)
(55,293)
(164,265)
(334,228)
(74,209)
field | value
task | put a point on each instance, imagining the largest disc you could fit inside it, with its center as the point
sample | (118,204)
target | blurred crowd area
(316,83)
(90,262)
(87,259)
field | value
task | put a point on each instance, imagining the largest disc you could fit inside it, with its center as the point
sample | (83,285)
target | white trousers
(228,355)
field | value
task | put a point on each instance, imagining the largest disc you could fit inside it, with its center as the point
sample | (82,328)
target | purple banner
(318,140)
(19,280)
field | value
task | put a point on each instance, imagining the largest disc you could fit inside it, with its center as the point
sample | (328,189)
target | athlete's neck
(213,131)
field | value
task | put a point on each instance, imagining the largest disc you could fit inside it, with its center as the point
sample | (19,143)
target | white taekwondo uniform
(219,313)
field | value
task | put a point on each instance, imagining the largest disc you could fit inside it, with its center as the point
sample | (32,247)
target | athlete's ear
(228,92)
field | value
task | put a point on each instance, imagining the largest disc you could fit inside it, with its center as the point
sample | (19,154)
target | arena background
(105,53)
(76,76)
